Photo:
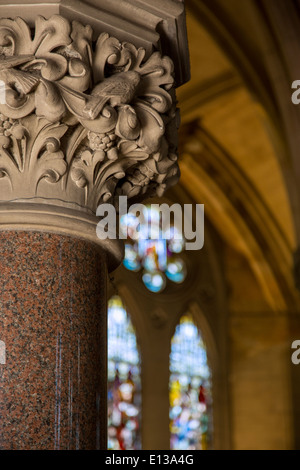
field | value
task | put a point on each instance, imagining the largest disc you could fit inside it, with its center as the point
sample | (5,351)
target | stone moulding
(44,217)
(83,121)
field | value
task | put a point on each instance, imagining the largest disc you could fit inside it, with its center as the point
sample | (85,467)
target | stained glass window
(124,385)
(189,390)
(152,250)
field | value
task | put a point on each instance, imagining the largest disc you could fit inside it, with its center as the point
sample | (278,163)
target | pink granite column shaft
(53,325)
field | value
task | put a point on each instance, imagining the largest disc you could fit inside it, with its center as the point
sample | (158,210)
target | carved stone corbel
(82,122)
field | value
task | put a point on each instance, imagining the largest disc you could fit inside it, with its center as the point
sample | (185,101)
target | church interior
(236,139)
(201,344)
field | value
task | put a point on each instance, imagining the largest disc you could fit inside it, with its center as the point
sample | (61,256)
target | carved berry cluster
(102,141)
(6,125)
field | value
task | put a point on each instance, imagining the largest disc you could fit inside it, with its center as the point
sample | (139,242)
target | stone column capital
(82,120)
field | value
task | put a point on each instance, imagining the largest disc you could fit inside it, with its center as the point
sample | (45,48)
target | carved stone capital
(82,121)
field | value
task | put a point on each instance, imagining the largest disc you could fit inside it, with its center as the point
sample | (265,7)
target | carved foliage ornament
(82,121)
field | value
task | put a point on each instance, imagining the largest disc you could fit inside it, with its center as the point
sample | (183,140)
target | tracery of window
(189,390)
(124,382)
(152,250)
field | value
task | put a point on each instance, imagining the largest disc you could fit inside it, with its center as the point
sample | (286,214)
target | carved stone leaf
(82,41)
(50,34)
(136,57)
(48,102)
(27,158)
(14,34)
(8,166)
(157,80)
(105,122)
(131,150)
(159,70)
(79,53)
(152,127)
(84,168)
(128,125)
(108,51)
(44,156)
(50,164)
(100,117)
(17,106)
(51,66)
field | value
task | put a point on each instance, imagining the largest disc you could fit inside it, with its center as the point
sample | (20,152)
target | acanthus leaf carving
(99,118)
(27,158)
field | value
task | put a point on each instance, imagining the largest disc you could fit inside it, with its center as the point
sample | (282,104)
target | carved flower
(11,127)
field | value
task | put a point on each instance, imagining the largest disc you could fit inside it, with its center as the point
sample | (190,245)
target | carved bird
(118,89)
(22,81)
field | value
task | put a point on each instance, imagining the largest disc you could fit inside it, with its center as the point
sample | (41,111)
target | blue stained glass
(153,250)
(154,254)
(176,241)
(189,390)
(124,384)
(131,259)
(154,281)
(176,271)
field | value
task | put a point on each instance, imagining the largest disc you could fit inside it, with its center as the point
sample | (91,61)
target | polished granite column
(85,117)
(53,324)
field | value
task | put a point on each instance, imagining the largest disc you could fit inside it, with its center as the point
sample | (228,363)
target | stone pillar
(53,324)
(84,119)
(53,328)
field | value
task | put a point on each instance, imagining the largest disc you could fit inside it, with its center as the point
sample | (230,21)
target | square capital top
(151,24)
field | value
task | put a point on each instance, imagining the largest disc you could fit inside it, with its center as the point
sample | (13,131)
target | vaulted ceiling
(230,160)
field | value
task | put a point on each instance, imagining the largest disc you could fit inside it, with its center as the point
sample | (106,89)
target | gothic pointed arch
(124,379)
(190,389)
